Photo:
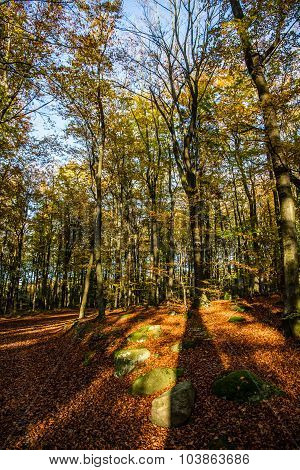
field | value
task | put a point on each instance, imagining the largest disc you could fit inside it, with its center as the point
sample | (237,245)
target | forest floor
(55,394)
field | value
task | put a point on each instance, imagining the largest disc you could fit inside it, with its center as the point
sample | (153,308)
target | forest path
(50,397)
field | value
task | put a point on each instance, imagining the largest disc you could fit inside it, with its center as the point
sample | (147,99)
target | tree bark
(255,65)
(86,286)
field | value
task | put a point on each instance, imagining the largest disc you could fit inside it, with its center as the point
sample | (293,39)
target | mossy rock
(127,359)
(238,308)
(174,407)
(173,313)
(144,333)
(227,296)
(176,347)
(124,316)
(237,319)
(155,380)
(204,301)
(244,386)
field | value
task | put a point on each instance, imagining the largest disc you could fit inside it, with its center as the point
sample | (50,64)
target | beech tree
(256,61)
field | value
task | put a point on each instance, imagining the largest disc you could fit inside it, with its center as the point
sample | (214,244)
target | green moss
(176,347)
(237,319)
(127,315)
(239,308)
(227,296)
(155,380)
(127,359)
(204,301)
(144,333)
(243,386)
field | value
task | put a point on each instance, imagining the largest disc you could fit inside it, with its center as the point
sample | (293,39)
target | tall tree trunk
(86,286)
(98,235)
(194,215)
(171,247)
(255,65)
(154,250)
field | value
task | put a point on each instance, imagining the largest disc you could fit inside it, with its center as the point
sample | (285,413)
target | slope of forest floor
(60,392)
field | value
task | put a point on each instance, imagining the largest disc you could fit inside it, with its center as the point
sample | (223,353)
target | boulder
(174,407)
(176,347)
(237,319)
(127,359)
(173,313)
(227,296)
(155,380)
(144,333)
(239,308)
(243,386)
(204,301)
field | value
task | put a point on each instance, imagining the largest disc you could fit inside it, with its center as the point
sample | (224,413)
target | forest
(149,224)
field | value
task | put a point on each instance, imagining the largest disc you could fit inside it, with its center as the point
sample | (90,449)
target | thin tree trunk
(86,287)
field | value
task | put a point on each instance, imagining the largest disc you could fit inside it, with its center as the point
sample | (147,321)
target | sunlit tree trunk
(86,287)
(256,69)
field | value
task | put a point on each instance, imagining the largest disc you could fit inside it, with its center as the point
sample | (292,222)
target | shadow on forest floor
(51,400)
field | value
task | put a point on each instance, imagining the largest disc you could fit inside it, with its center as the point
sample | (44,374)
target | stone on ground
(144,333)
(227,296)
(127,359)
(173,313)
(243,386)
(155,380)
(237,319)
(204,301)
(176,347)
(174,407)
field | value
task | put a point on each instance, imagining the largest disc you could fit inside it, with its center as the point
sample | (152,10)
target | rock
(176,347)
(227,296)
(239,308)
(237,319)
(173,313)
(174,407)
(204,301)
(127,359)
(243,386)
(155,380)
(124,316)
(144,333)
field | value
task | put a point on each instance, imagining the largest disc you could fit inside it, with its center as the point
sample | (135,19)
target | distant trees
(179,182)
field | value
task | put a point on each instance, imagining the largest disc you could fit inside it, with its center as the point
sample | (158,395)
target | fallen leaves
(61,394)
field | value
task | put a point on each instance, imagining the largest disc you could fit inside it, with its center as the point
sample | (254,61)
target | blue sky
(48,121)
